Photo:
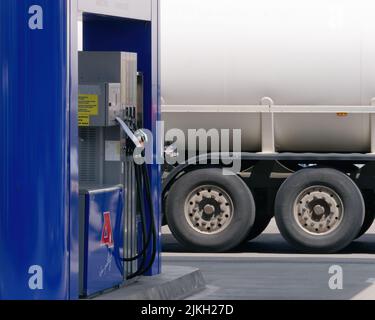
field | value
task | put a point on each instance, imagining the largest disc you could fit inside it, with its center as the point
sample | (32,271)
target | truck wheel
(210,212)
(369,198)
(319,210)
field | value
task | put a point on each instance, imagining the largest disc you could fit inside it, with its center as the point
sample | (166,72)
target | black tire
(345,231)
(236,230)
(369,198)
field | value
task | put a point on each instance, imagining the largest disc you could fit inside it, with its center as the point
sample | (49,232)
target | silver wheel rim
(318,210)
(209,209)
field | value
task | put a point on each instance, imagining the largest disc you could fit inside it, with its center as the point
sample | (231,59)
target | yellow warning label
(83,120)
(88,104)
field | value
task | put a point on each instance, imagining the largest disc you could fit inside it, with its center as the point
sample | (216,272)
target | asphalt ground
(268,268)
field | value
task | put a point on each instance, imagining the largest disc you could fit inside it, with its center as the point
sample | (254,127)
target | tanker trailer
(297,78)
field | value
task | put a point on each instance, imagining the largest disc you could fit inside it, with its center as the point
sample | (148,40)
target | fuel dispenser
(78,217)
(112,186)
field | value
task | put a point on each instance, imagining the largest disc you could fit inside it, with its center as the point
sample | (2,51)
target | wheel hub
(209,209)
(318,210)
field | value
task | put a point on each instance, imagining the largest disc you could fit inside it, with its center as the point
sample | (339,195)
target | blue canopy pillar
(39,250)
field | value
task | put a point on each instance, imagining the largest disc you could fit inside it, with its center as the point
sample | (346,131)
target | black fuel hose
(152,235)
(146,241)
(142,183)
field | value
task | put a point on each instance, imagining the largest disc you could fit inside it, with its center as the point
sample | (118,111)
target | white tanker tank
(313,59)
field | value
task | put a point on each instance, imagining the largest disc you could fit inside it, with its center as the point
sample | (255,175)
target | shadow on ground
(275,244)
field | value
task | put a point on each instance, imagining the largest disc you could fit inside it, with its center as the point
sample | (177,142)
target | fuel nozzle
(138,138)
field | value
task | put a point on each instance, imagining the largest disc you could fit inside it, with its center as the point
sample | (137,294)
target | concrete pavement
(268,268)
(175,283)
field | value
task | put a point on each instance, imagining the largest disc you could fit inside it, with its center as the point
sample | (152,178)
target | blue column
(34,150)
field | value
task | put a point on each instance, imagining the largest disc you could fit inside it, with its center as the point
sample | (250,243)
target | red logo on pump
(107,234)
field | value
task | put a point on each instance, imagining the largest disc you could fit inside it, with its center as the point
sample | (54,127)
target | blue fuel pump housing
(39,171)
(103,240)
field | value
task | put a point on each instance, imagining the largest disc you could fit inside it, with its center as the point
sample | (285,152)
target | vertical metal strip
(130,229)
(73,166)
(135,220)
(268,127)
(268,133)
(372,124)
(156,116)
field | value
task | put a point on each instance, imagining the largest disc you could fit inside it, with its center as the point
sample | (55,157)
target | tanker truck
(297,78)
